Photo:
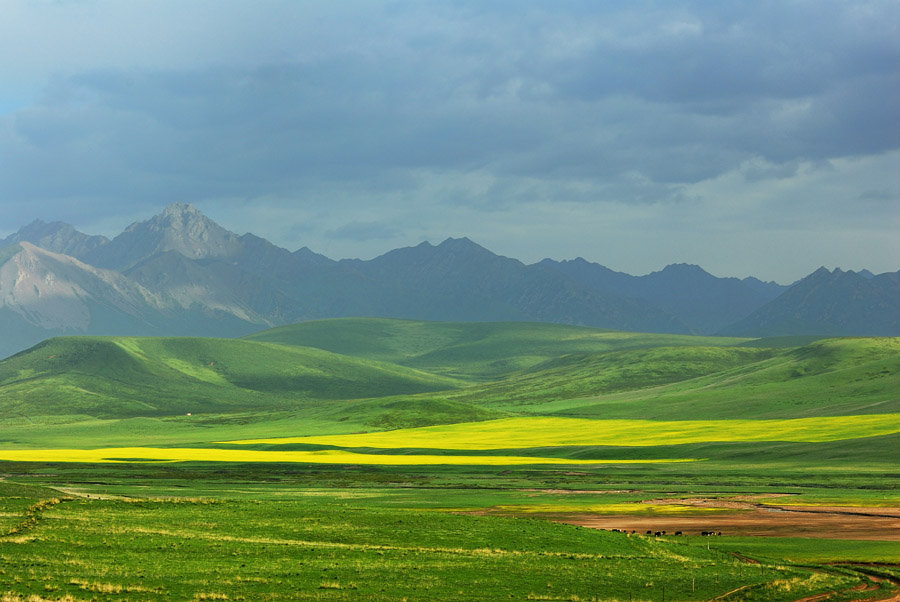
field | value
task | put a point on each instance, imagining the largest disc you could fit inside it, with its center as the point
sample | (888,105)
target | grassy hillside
(304,474)
(827,378)
(580,375)
(125,376)
(469,350)
(88,391)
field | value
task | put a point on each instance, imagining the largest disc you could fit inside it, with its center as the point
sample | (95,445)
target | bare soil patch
(752,519)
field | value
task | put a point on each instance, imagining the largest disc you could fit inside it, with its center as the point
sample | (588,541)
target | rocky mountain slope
(180,273)
(830,303)
(704,302)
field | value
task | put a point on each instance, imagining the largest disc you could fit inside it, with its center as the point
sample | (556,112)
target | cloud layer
(630,133)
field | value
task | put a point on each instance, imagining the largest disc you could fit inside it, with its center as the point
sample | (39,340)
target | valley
(388,459)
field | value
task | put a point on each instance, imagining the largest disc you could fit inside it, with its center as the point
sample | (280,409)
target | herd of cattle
(661,533)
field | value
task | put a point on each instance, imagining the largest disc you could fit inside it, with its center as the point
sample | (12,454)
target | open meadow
(388,460)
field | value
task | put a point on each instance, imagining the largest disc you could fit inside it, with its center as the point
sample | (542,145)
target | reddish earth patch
(833,522)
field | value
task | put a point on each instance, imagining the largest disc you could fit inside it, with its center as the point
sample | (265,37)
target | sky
(757,138)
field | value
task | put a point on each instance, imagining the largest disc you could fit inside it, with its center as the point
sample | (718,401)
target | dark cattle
(677,532)
(649,532)
(658,534)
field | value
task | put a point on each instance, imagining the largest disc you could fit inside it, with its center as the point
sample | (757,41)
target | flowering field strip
(530,432)
(151,454)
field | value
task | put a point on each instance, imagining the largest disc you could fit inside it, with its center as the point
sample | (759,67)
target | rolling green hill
(584,374)
(84,389)
(469,350)
(127,376)
(828,378)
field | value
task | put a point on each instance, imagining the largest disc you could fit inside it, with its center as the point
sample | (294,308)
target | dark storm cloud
(418,107)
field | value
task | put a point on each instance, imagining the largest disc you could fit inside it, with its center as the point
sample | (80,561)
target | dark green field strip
(482,486)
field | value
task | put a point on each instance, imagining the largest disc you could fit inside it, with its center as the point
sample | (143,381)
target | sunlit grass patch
(635,508)
(528,432)
(8,597)
(150,454)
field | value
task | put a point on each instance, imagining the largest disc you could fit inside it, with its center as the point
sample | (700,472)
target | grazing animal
(677,532)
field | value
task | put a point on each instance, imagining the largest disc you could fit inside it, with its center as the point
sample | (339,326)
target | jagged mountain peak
(684,267)
(829,302)
(58,237)
(822,271)
(463,241)
(684,270)
(180,209)
(181,271)
(39,227)
(180,228)
(463,245)
(823,274)
(308,255)
(184,219)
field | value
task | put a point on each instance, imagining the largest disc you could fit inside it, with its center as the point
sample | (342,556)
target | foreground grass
(330,548)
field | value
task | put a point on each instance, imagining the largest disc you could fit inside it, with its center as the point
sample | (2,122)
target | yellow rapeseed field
(151,454)
(528,432)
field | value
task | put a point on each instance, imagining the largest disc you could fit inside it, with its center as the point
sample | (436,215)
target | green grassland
(304,549)
(826,378)
(126,376)
(386,538)
(388,460)
(475,351)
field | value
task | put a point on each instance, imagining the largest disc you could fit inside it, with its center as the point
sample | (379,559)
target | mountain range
(180,273)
